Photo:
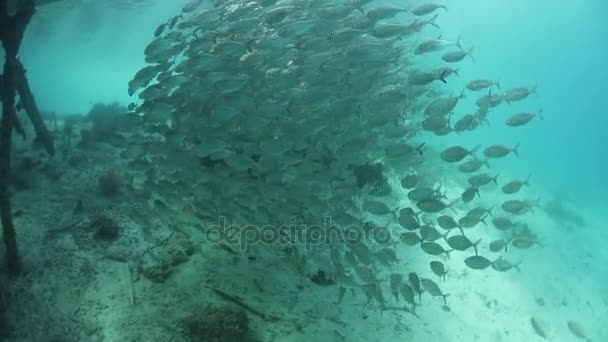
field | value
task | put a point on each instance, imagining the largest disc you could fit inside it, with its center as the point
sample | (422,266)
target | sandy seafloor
(78,289)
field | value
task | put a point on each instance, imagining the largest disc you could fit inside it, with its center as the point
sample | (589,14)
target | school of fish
(263,111)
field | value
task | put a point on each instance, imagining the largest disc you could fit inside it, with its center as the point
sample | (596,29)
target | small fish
(473,165)
(482,179)
(410,238)
(410,181)
(462,243)
(435,45)
(414,282)
(469,194)
(408,219)
(420,78)
(376,207)
(456,153)
(457,56)
(365,274)
(498,245)
(514,186)
(477,262)
(434,248)
(435,123)
(432,205)
(503,265)
(478,85)
(429,233)
(490,100)
(438,268)
(500,151)
(502,223)
(523,118)
(519,207)
(442,106)
(385,12)
(160,29)
(577,330)
(517,94)
(408,294)
(470,221)
(433,289)
(396,280)
(538,327)
(447,222)
(524,241)
(424,193)
(425,9)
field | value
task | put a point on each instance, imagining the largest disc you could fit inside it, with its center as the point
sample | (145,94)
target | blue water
(560,47)
(90,55)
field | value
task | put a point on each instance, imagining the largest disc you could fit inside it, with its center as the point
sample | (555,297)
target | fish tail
(443,75)
(527,181)
(458,43)
(486,163)
(495,179)
(432,21)
(474,150)
(483,220)
(497,83)
(515,150)
(419,148)
(456,72)
(469,53)
(445,296)
(475,244)
(540,111)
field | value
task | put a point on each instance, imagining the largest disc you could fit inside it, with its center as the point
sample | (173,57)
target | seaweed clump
(106,121)
(105,228)
(218,324)
(373,177)
(110,183)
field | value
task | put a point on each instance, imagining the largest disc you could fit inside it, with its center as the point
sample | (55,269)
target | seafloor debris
(217,324)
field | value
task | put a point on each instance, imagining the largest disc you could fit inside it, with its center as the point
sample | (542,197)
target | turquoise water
(557,47)
(81,55)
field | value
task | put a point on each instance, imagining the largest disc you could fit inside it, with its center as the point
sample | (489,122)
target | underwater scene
(303,170)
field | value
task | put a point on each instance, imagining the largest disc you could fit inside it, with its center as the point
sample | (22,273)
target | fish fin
(483,220)
(475,244)
(527,181)
(474,150)
(515,150)
(486,163)
(533,90)
(456,72)
(419,148)
(443,75)
(432,21)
